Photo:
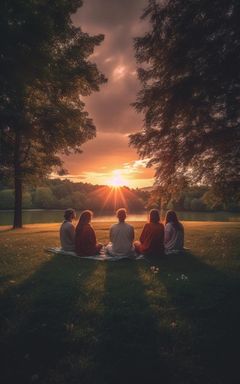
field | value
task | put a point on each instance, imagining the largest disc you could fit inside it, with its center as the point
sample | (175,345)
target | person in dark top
(85,237)
(152,236)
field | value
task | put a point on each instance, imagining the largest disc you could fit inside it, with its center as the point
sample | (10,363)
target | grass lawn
(69,320)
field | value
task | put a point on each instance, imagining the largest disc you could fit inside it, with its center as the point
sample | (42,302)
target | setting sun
(117,180)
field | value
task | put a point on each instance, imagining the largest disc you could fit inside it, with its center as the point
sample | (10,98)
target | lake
(56,216)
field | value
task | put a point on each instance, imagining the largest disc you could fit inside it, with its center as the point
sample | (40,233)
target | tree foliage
(190,78)
(44,72)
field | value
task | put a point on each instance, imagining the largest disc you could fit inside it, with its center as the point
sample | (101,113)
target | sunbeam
(117,180)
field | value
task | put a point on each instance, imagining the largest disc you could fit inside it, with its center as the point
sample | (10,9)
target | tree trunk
(17,183)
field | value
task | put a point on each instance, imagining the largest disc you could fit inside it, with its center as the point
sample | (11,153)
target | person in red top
(85,238)
(152,236)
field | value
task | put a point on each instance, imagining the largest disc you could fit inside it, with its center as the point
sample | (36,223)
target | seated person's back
(152,236)
(121,236)
(85,239)
(67,231)
(174,233)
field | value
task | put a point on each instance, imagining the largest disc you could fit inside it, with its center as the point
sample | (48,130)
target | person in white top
(67,231)
(121,237)
(173,233)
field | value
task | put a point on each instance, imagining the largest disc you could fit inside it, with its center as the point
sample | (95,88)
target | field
(69,320)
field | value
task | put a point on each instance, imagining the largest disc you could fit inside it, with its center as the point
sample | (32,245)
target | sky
(108,159)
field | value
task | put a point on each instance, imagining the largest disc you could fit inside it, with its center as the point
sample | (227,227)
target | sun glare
(117,180)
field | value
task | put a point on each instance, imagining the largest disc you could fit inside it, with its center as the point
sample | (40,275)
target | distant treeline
(61,194)
(200,198)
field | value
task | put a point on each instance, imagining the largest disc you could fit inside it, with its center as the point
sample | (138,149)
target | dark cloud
(114,118)
(110,13)
(119,21)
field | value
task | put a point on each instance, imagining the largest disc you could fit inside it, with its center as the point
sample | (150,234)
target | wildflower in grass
(184,277)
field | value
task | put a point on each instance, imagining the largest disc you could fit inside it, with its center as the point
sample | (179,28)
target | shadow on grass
(127,350)
(38,318)
(201,311)
(79,321)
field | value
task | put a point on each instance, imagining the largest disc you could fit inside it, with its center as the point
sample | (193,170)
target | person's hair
(121,213)
(68,213)
(154,216)
(84,218)
(171,217)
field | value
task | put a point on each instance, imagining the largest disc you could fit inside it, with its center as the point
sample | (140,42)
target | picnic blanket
(101,257)
(176,251)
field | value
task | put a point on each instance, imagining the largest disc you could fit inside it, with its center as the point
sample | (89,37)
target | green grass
(69,320)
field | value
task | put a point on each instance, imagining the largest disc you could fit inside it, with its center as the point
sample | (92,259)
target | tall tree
(44,71)
(190,94)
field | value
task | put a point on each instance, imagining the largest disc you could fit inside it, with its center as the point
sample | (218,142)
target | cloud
(110,13)
(98,166)
(107,151)
(120,22)
(110,108)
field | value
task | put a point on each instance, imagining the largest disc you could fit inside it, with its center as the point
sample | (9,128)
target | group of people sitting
(156,238)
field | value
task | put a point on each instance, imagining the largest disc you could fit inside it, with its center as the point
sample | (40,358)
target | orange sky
(108,156)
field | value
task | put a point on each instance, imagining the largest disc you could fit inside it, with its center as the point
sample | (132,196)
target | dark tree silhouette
(44,71)
(190,94)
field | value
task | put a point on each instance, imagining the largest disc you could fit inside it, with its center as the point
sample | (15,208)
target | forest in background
(61,194)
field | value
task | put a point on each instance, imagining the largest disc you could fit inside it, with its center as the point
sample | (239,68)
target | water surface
(56,216)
